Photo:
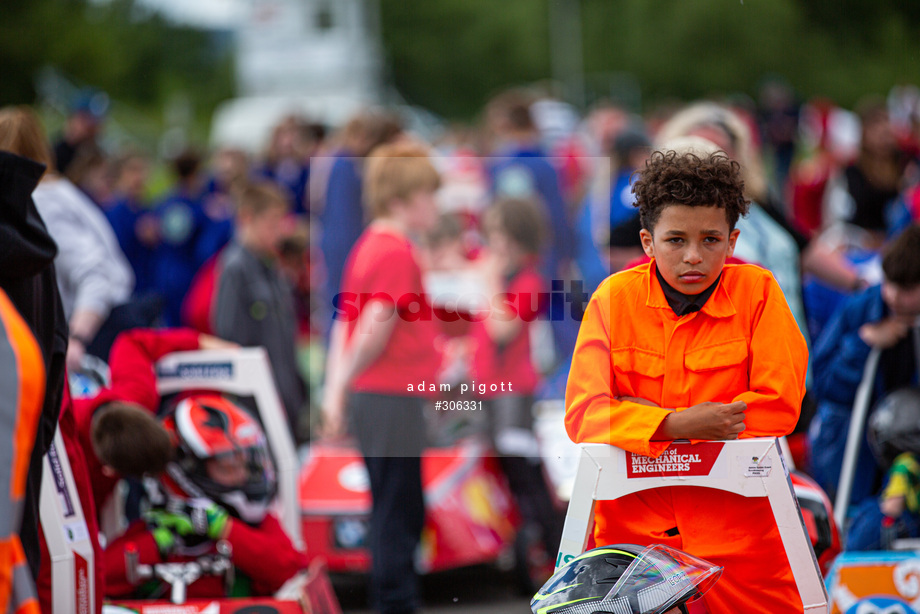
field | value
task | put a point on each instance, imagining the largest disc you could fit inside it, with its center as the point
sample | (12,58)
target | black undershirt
(681,303)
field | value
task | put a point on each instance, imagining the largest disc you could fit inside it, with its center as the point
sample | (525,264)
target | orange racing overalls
(743,344)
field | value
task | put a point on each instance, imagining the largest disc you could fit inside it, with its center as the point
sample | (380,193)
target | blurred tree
(839,48)
(132,53)
(451,55)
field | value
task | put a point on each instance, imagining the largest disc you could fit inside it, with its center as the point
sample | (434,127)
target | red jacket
(133,379)
(264,554)
(132,359)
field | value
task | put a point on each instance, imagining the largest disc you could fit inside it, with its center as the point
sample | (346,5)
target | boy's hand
(892,507)
(75,352)
(883,334)
(707,421)
(333,412)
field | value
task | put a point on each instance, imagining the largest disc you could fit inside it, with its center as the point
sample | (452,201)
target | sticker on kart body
(354,477)
(60,484)
(756,467)
(682,460)
(198,370)
(76,531)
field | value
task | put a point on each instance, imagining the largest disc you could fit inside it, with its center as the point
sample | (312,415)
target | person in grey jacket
(254,304)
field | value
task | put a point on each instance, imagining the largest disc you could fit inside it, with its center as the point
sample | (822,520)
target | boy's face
(448,255)
(421,211)
(904,303)
(266,230)
(690,245)
(133,177)
(504,248)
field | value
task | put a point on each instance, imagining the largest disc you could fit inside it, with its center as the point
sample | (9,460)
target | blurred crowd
(829,187)
(534,199)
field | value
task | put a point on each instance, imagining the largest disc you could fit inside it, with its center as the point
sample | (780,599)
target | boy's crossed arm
(708,420)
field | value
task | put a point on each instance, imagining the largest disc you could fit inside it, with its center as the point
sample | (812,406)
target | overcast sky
(209,13)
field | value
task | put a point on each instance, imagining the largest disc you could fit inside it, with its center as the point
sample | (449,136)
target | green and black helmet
(626,579)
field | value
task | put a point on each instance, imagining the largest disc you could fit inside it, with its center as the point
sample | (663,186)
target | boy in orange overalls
(687,347)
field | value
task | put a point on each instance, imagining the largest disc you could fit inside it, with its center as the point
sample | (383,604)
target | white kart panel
(64,525)
(244,372)
(748,467)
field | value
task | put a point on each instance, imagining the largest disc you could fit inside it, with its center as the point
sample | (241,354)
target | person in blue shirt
(630,150)
(229,176)
(285,162)
(882,317)
(181,220)
(135,226)
(610,206)
(337,186)
(519,168)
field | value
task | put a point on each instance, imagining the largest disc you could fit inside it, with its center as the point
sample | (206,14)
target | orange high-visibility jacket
(743,344)
(22,391)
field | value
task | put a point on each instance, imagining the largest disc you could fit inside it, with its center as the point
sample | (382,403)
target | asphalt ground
(470,590)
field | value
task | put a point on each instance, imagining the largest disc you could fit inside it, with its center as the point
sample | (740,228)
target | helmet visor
(662,577)
(240,468)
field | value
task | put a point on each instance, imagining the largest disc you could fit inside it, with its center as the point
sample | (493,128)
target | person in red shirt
(217,489)
(383,358)
(503,371)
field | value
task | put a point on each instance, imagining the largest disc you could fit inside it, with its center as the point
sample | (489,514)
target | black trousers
(511,430)
(391,436)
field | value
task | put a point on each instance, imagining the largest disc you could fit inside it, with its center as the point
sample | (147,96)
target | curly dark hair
(673,178)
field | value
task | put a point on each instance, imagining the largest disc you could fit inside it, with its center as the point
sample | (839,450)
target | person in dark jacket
(27,276)
(884,317)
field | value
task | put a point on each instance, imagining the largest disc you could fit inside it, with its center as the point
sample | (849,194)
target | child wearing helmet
(894,436)
(113,433)
(688,347)
(216,489)
(116,427)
